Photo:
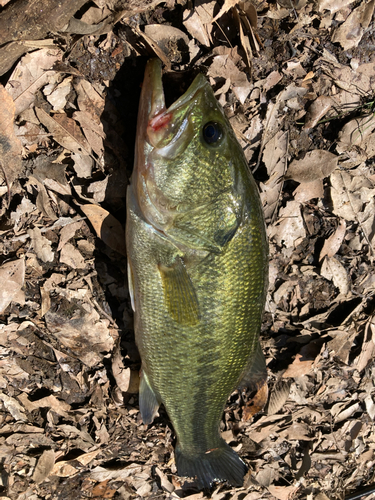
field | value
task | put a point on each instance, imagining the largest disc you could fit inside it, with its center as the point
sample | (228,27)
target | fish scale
(198,258)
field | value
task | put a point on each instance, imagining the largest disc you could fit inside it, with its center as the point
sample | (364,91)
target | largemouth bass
(197,266)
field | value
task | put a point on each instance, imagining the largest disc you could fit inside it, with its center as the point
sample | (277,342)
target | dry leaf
(12,276)
(317,110)
(278,397)
(198,23)
(41,245)
(31,74)
(357,133)
(58,97)
(228,4)
(94,132)
(367,353)
(332,244)
(82,165)
(60,407)
(90,100)
(167,37)
(165,484)
(63,469)
(303,361)
(68,232)
(341,345)
(44,466)
(266,476)
(316,164)
(291,228)
(333,5)
(126,379)
(274,159)
(82,331)
(72,257)
(257,403)
(154,47)
(65,131)
(13,407)
(10,145)
(346,199)
(107,227)
(349,34)
(283,492)
(307,191)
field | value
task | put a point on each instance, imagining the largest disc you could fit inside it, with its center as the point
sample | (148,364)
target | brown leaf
(350,33)
(72,257)
(195,26)
(316,164)
(65,131)
(126,379)
(103,490)
(165,35)
(278,397)
(44,466)
(41,245)
(317,111)
(283,492)
(303,362)
(366,355)
(333,5)
(107,227)
(306,191)
(12,276)
(155,48)
(31,74)
(68,232)
(94,132)
(257,403)
(332,244)
(228,4)
(10,145)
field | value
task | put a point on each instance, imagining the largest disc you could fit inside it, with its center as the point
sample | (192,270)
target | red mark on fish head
(160,121)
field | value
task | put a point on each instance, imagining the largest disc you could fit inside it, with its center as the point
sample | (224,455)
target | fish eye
(212,132)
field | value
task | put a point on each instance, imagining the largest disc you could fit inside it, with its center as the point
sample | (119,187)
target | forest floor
(296,80)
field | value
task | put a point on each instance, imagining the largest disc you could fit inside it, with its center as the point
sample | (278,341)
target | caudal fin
(219,464)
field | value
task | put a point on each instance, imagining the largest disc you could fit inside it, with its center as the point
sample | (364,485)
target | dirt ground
(296,79)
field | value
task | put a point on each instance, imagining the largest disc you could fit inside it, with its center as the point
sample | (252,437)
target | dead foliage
(296,80)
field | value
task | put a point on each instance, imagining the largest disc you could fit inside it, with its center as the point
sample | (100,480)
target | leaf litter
(296,81)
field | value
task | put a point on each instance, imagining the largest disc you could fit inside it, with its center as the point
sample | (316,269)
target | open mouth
(167,130)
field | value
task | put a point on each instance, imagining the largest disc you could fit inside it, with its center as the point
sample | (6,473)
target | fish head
(184,153)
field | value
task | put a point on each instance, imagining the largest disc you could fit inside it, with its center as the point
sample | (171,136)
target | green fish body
(198,267)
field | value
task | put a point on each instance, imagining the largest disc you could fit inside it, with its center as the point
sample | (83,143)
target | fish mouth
(168,130)
(161,133)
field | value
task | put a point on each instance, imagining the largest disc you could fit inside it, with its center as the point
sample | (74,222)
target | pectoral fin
(179,294)
(148,403)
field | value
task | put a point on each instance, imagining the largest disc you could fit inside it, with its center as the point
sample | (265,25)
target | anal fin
(179,294)
(148,403)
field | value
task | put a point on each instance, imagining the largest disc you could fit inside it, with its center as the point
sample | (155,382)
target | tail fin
(219,464)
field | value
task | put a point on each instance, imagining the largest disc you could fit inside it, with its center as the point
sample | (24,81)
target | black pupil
(212,132)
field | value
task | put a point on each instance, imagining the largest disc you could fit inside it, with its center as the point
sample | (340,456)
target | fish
(197,270)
